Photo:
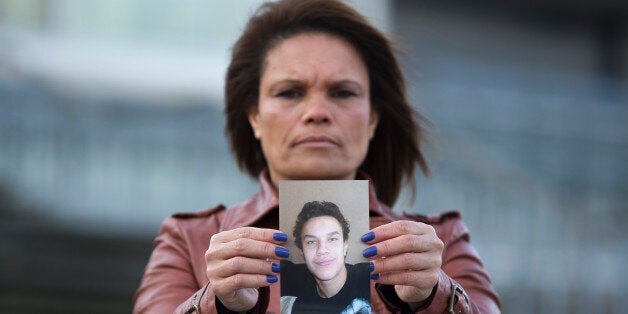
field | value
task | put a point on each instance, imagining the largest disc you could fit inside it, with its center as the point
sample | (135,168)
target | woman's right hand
(240,261)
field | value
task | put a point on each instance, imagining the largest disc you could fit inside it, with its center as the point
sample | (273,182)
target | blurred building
(111,120)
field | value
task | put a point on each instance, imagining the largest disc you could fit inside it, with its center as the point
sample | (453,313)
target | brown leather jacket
(175,280)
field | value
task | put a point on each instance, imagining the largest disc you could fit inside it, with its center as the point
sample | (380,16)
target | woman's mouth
(316,141)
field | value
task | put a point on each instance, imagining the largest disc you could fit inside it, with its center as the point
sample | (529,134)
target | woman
(313,91)
(324,284)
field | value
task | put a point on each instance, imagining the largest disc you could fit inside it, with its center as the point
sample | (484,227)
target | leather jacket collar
(267,199)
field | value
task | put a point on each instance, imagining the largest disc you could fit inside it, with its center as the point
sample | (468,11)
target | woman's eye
(342,93)
(290,94)
(310,242)
(333,239)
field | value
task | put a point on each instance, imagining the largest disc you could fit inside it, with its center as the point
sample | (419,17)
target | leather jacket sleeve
(169,284)
(463,284)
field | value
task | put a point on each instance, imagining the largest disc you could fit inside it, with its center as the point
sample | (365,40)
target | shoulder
(199,214)
(292,268)
(358,268)
(201,221)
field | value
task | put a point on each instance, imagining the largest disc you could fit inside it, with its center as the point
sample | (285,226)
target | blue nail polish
(375,276)
(271,278)
(371,267)
(282,252)
(280,236)
(275,267)
(370,251)
(368,236)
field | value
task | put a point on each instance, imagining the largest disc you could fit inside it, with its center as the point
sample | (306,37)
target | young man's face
(324,248)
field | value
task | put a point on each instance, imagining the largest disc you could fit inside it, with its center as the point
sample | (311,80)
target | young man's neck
(329,288)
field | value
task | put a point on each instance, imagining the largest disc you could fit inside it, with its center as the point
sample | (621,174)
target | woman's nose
(317,109)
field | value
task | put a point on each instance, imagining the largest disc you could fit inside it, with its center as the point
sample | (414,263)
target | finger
(395,229)
(242,281)
(405,262)
(260,234)
(404,244)
(420,279)
(244,265)
(247,248)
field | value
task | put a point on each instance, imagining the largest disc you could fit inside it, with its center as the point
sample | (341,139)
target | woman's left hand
(406,254)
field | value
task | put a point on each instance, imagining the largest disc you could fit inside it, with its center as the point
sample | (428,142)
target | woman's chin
(322,173)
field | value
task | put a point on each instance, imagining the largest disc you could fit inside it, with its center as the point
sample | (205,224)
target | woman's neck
(329,288)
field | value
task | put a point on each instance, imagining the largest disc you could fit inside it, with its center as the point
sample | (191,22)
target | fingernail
(371,267)
(280,236)
(368,236)
(375,276)
(271,278)
(275,267)
(370,251)
(282,252)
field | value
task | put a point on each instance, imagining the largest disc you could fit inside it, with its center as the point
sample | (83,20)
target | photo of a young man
(325,283)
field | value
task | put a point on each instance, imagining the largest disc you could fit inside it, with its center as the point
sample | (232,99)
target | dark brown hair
(317,209)
(395,148)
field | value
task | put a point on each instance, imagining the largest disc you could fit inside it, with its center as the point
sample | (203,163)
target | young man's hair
(317,209)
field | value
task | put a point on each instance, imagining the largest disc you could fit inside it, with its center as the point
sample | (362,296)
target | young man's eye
(310,242)
(333,239)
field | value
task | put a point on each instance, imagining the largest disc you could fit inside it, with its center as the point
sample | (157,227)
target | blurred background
(111,120)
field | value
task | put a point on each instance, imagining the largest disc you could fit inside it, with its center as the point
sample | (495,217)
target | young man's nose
(322,249)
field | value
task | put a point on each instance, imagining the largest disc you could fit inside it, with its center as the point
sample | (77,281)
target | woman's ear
(373,123)
(253,115)
(346,247)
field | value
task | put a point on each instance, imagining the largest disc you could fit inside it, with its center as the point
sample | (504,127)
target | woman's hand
(406,254)
(240,261)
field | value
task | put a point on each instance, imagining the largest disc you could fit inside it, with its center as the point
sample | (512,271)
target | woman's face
(324,248)
(314,117)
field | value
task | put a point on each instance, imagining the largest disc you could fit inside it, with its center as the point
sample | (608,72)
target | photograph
(324,221)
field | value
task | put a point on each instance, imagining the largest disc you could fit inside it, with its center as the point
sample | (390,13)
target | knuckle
(410,241)
(381,265)
(439,244)
(437,261)
(408,260)
(405,227)
(268,248)
(430,229)
(211,254)
(383,247)
(239,245)
(407,277)
(236,264)
(244,232)
(237,280)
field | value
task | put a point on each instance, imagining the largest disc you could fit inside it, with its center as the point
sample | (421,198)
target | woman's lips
(316,141)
